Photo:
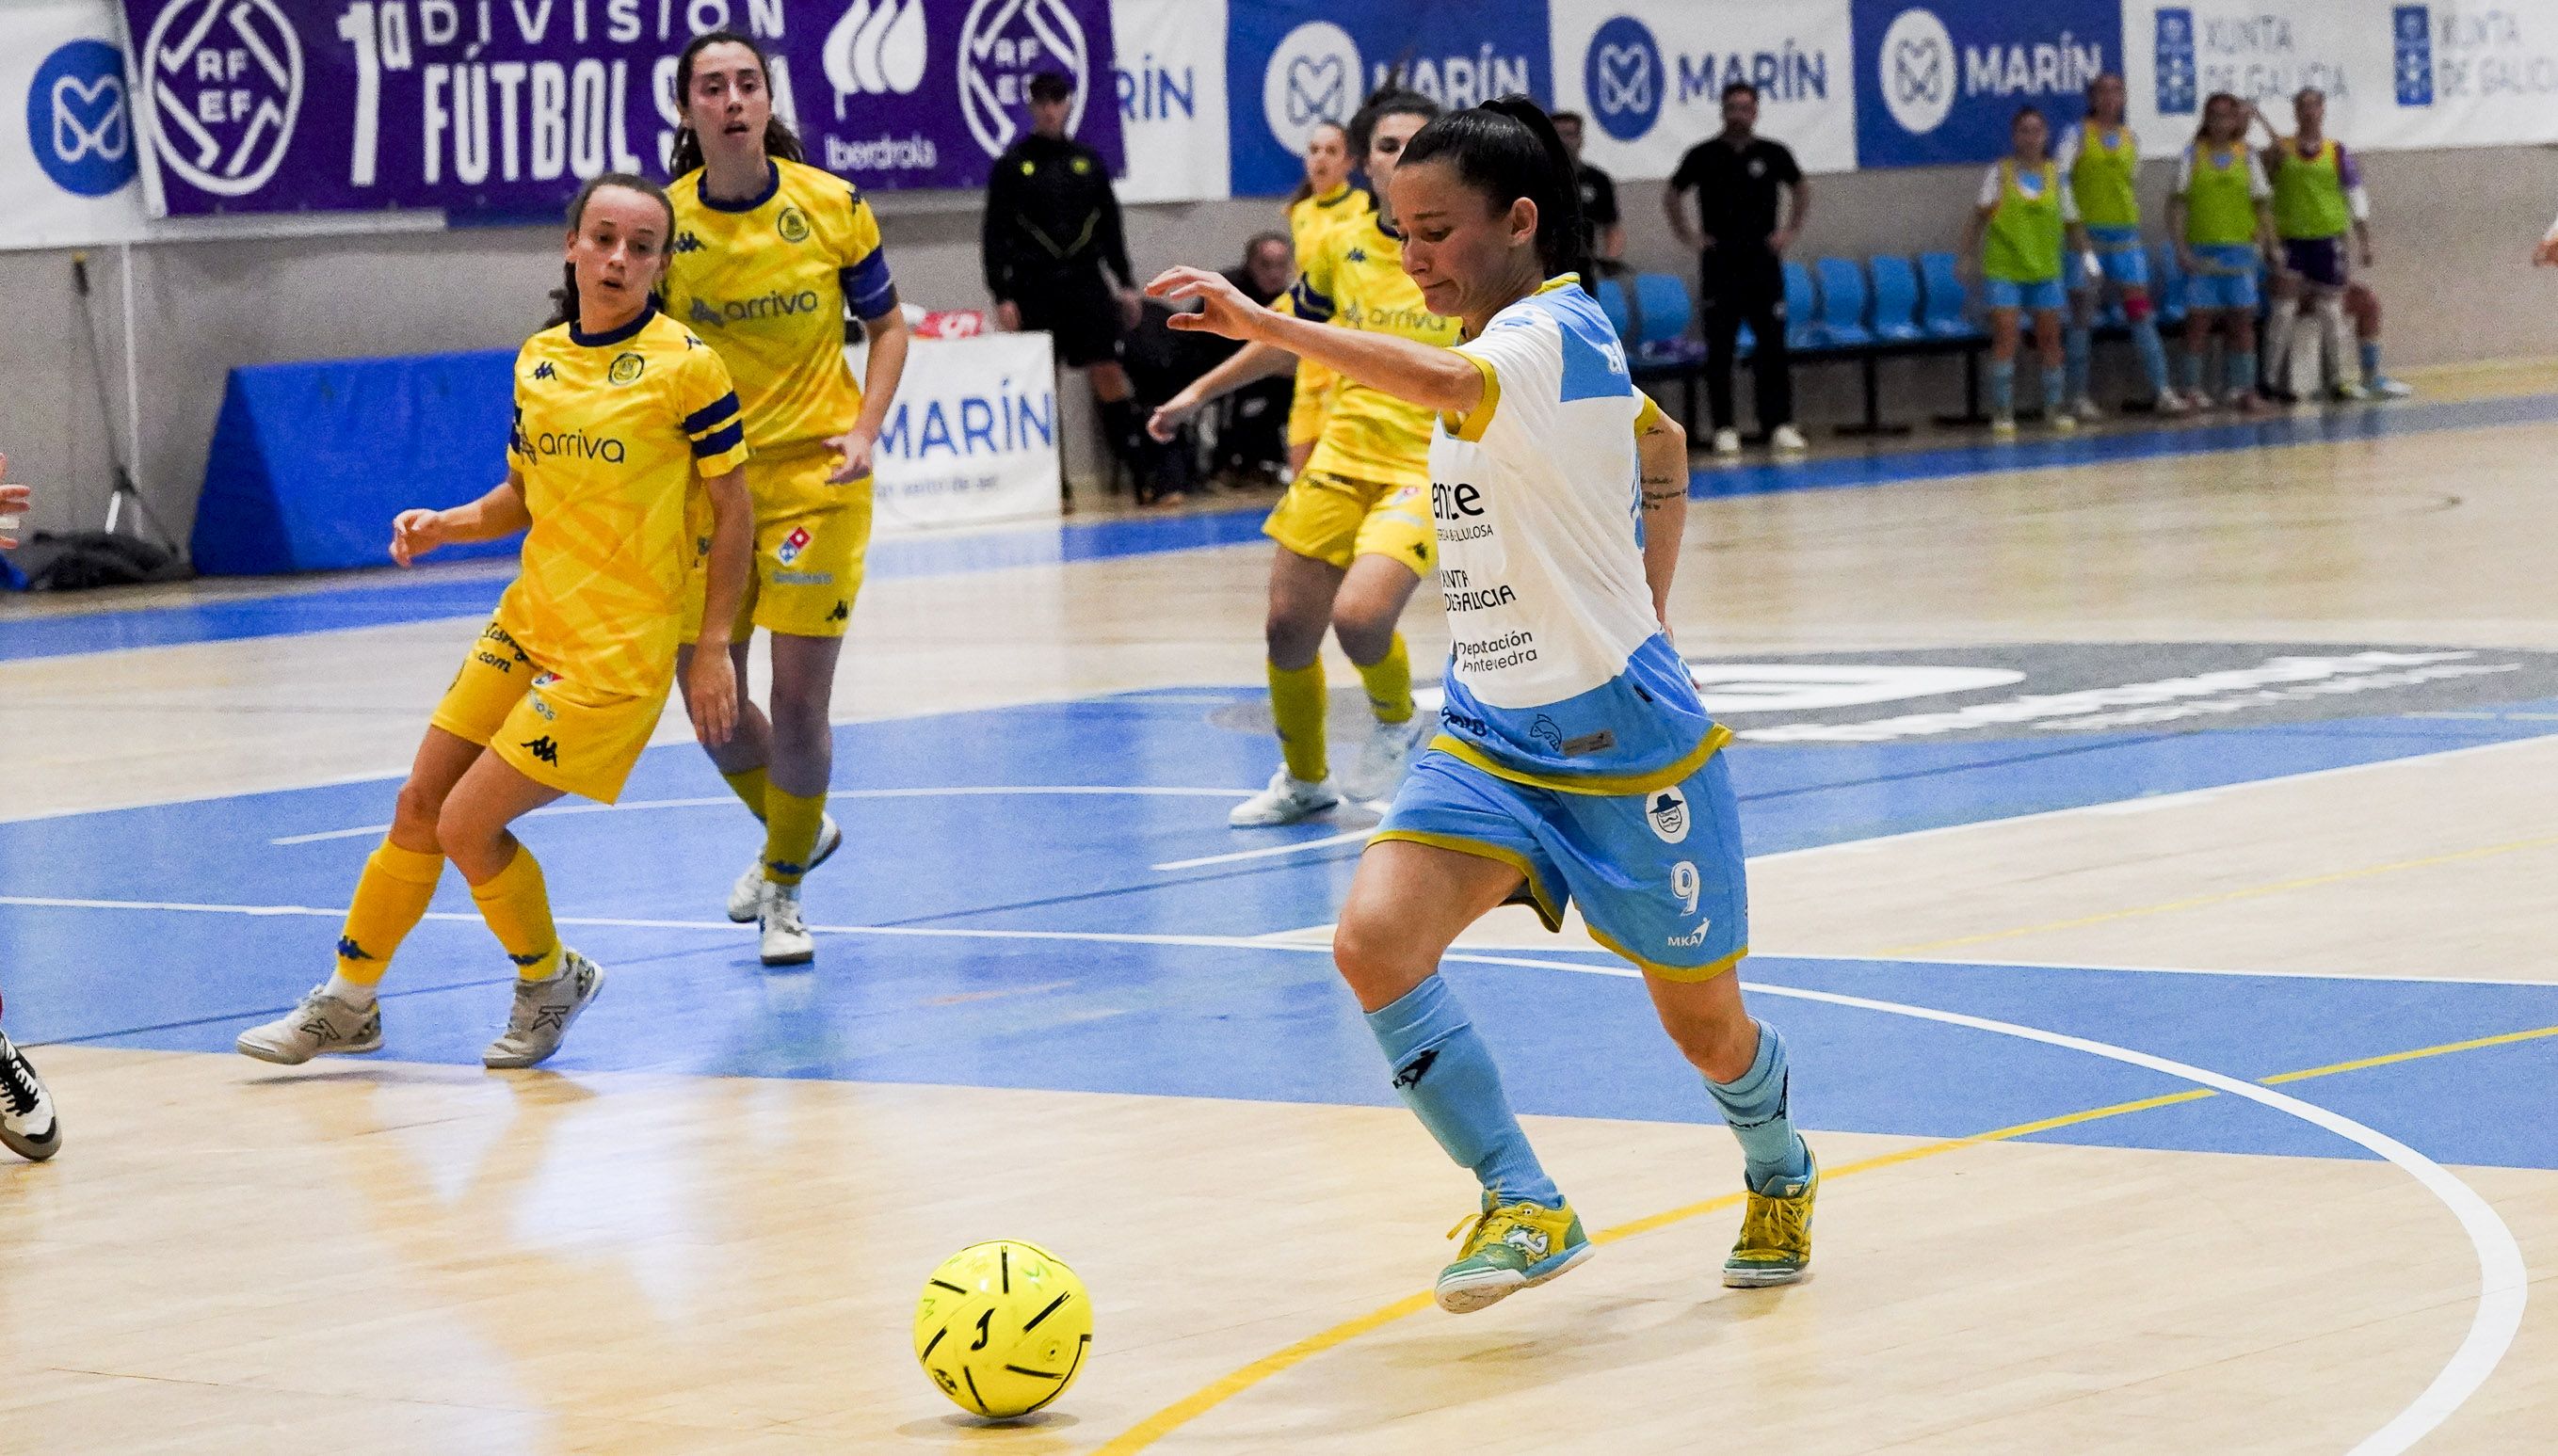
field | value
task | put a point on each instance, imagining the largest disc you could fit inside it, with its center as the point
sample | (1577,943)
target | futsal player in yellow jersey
(1326,199)
(1354,530)
(626,472)
(769,252)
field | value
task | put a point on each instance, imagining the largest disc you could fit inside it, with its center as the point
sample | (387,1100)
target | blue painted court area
(1018,935)
(393,599)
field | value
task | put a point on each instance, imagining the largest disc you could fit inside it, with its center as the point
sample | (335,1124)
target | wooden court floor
(2187,1093)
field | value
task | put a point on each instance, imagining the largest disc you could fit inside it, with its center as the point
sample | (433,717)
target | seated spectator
(1252,422)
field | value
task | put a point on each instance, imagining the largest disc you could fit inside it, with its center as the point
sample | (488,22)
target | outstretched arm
(1435,378)
(1246,365)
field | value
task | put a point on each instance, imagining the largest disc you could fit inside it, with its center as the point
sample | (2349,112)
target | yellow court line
(1216,1392)
(2197,902)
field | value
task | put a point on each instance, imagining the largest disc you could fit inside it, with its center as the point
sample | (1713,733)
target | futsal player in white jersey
(1576,761)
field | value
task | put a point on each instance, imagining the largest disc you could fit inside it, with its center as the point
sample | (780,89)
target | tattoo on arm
(1661,490)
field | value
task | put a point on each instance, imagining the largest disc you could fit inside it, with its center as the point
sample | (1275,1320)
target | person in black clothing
(1740,259)
(1603,228)
(1051,228)
(1252,438)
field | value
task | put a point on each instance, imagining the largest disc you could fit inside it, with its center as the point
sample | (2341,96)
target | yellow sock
(391,898)
(751,787)
(1389,684)
(1297,704)
(518,908)
(790,830)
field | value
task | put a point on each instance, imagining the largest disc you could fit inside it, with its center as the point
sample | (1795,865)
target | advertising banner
(2395,76)
(1293,63)
(1939,81)
(73,182)
(1649,75)
(503,106)
(972,437)
(1171,72)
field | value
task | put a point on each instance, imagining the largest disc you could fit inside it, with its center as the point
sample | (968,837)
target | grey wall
(2452,232)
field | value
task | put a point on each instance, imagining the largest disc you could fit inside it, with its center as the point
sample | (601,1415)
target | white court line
(1299,847)
(2502,1279)
(973,791)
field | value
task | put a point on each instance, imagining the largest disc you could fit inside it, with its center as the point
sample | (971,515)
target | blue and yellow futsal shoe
(1775,1244)
(1514,1245)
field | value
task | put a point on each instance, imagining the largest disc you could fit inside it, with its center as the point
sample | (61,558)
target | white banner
(1649,76)
(972,437)
(2396,74)
(61,78)
(1171,75)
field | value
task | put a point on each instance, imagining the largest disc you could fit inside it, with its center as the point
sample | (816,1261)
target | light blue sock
(2242,372)
(2372,361)
(2002,388)
(2076,343)
(1754,1106)
(1445,1074)
(2145,342)
(2193,362)
(2053,401)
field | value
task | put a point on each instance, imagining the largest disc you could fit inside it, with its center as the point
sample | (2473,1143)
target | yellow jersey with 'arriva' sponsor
(609,431)
(766,282)
(1354,279)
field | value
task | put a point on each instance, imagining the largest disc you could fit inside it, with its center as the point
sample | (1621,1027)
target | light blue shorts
(2226,279)
(2118,254)
(2007,292)
(1657,875)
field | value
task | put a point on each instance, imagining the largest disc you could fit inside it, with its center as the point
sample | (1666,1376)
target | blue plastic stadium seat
(2167,283)
(1612,302)
(1802,316)
(1946,315)
(1667,309)
(1895,300)
(1842,316)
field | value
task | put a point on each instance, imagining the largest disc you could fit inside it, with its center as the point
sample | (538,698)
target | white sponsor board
(2397,74)
(71,181)
(972,437)
(1649,75)
(1170,72)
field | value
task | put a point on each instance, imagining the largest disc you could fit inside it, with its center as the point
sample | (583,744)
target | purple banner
(504,106)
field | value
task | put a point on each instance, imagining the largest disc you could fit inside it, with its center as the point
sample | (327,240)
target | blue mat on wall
(310,460)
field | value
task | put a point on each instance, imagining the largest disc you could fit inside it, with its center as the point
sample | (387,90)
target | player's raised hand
(414,533)
(1223,309)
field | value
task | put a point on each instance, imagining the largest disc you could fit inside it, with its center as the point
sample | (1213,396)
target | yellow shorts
(1334,519)
(1310,404)
(810,538)
(545,726)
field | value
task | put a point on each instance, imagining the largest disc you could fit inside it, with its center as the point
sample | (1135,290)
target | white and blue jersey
(1573,744)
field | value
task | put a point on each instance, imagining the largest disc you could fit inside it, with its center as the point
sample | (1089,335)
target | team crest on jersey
(687,242)
(791,544)
(626,368)
(1666,811)
(544,371)
(793,227)
(1545,732)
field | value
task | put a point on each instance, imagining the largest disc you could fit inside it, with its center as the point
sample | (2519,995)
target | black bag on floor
(79,560)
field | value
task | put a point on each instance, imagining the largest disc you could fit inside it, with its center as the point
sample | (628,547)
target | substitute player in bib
(28,1126)
(1354,529)
(1576,763)
(2217,211)
(2318,199)
(2023,212)
(626,470)
(2102,158)
(769,253)
(1326,199)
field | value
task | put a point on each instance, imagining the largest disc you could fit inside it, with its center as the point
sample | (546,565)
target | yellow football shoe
(1514,1245)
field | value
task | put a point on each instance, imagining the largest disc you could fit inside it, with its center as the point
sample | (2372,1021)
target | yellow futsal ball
(1003,1327)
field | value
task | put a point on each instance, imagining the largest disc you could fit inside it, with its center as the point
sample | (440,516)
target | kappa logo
(1411,1072)
(843,611)
(77,121)
(544,370)
(1624,77)
(1359,255)
(542,749)
(1313,78)
(225,78)
(1917,60)
(1002,44)
(793,543)
(876,51)
(348,950)
(687,241)
(1665,810)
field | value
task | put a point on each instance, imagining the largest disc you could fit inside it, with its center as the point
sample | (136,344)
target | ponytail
(1508,149)
(686,153)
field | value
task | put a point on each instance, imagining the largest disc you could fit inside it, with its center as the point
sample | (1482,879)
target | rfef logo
(77,122)
(1002,44)
(225,78)
(1624,77)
